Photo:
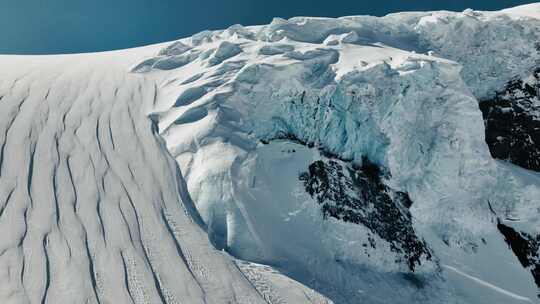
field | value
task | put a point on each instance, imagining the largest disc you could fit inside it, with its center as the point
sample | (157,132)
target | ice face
(401,91)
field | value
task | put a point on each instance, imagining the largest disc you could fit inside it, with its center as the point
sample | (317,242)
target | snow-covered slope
(94,209)
(317,160)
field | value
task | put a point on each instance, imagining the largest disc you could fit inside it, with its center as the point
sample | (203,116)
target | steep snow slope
(93,208)
(347,154)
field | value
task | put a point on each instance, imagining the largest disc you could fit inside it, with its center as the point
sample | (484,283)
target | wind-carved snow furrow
(30,173)
(111,135)
(57,214)
(198,270)
(101,222)
(145,252)
(126,222)
(96,283)
(5,202)
(10,119)
(135,287)
(126,279)
(47,269)
(174,230)
(157,283)
(72,182)
(98,140)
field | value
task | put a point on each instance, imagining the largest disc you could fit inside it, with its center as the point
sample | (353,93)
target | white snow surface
(94,209)
(139,176)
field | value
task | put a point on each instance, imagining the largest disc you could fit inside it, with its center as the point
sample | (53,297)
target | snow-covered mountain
(312,160)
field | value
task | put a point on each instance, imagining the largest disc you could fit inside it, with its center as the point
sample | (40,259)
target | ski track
(489,285)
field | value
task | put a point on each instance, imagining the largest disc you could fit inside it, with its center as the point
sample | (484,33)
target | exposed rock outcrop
(512,120)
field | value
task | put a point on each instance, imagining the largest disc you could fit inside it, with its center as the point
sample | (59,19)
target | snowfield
(311,160)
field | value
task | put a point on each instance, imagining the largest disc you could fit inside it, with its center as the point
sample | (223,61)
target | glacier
(311,160)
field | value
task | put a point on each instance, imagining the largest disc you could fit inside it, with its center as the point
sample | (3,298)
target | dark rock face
(357,195)
(525,247)
(512,120)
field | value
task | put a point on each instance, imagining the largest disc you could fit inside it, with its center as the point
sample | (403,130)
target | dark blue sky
(68,26)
